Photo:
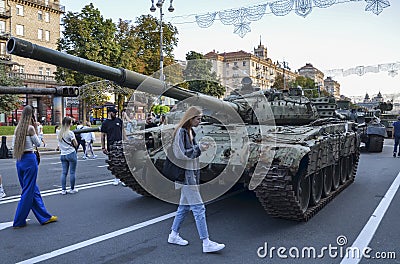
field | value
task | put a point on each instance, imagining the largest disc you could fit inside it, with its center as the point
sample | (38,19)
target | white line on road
(366,235)
(98,239)
(102,166)
(45,193)
(9,224)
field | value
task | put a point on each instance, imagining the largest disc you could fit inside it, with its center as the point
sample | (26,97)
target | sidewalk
(51,144)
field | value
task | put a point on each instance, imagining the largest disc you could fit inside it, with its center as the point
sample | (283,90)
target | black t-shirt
(113,129)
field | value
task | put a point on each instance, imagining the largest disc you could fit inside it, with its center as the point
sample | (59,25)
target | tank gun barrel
(122,77)
(86,130)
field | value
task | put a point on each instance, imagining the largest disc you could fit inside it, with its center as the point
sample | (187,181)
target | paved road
(111,224)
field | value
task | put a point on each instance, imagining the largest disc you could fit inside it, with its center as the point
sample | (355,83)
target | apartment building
(37,21)
(332,87)
(231,67)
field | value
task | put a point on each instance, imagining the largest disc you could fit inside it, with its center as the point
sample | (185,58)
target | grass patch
(9,130)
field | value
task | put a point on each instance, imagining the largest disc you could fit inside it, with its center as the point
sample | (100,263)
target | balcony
(42,3)
(5,35)
(5,13)
(33,77)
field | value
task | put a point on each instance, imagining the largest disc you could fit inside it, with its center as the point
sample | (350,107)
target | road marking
(102,166)
(104,237)
(53,163)
(98,239)
(366,235)
(9,224)
(16,198)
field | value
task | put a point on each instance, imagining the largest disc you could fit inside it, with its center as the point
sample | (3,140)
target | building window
(2,26)
(47,35)
(227,65)
(252,64)
(40,34)
(46,2)
(20,30)
(2,48)
(21,69)
(40,15)
(47,17)
(40,70)
(235,63)
(244,63)
(48,71)
(20,10)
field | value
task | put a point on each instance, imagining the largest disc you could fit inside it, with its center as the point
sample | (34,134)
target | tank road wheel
(303,191)
(344,169)
(352,162)
(327,176)
(336,176)
(317,182)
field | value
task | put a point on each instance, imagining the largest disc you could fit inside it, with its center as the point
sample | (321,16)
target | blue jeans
(191,200)
(68,161)
(27,169)
(396,143)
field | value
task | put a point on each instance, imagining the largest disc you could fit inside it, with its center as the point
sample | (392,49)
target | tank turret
(289,150)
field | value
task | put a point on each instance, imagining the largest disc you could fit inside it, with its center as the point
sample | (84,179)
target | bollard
(3,148)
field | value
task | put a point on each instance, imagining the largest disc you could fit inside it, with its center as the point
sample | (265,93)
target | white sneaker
(212,247)
(84,157)
(72,191)
(2,193)
(94,156)
(116,182)
(64,192)
(177,240)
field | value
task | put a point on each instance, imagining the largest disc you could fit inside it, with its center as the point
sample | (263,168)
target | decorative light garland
(240,18)
(391,68)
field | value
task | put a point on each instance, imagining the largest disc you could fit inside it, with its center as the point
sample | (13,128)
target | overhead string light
(241,18)
(391,68)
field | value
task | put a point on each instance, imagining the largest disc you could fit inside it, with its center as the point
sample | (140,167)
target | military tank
(371,130)
(291,152)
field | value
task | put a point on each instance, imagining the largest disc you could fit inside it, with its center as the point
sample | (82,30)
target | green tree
(87,35)
(160,109)
(278,83)
(200,77)
(8,102)
(308,86)
(148,33)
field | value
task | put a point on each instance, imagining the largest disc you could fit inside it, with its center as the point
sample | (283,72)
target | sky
(341,36)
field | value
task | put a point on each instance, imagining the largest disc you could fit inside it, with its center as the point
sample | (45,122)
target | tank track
(119,168)
(277,194)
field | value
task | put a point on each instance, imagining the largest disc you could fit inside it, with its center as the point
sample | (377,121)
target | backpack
(172,171)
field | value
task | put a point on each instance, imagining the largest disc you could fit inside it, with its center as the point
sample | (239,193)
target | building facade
(313,73)
(231,67)
(332,87)
(37,21)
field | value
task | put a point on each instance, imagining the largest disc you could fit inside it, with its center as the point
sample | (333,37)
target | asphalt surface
(112,224)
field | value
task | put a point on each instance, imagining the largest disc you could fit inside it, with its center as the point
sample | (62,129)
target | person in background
(24,140)
(396,136)
(2,192)
(40,133)
(187,150)
(68,157)
(80,140)
(112,129)
(89,139)
(56,131)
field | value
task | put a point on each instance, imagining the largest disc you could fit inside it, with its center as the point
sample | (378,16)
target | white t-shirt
(66,146)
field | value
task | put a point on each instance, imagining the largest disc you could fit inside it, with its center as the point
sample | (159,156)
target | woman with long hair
(24,141)
(186,151)
(67,143)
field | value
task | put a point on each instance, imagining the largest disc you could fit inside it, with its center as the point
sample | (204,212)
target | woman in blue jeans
(187,151)
(67,143)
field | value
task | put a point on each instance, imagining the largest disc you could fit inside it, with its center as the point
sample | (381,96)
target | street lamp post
(160,4)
